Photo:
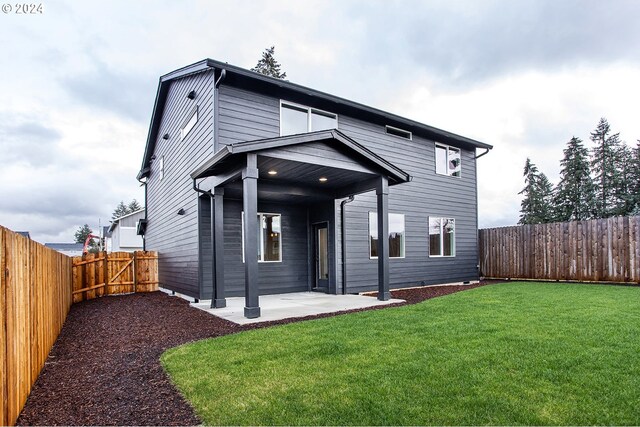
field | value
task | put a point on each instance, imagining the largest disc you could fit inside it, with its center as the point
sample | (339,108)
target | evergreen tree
(124,209)
(535,207)
(134,206)
(604,163)
(633,180)
(120,210)
(268,65)
(81,235)
(573,198)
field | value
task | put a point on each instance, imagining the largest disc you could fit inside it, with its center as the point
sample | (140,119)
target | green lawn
(514,353)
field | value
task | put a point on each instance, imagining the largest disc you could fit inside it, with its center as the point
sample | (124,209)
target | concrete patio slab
(297,304)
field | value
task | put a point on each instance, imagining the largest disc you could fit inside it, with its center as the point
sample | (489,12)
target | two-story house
(256,185)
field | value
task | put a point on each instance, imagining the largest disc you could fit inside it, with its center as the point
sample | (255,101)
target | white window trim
(161,167)
(262,237)
(441,238)
(183,132)
(438,144)
(400,130)
(404,241)
(309,111)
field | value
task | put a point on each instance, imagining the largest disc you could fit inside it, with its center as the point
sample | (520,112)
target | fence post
(135,272)
(106,273)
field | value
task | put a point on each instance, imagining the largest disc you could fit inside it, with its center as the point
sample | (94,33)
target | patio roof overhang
(297,163)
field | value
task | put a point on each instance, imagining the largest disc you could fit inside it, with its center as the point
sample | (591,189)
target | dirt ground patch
(104,368)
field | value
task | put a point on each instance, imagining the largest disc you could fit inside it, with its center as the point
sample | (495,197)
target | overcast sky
(78,84)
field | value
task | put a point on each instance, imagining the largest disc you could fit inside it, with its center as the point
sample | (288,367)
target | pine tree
(535,207)
(125,209)
(573,198)
(120,210)
(82,233)
(634,180)
(268,65)
(134,206)
(604,162)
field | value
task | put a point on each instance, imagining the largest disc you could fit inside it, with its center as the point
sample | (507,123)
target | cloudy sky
(78,83)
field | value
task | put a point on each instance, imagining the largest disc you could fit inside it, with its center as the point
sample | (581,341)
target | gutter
(343,232)
(482,154)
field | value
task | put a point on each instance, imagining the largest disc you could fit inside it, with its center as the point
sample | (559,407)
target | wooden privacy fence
(101,274)
(37,287)
(35,297)
(600,250)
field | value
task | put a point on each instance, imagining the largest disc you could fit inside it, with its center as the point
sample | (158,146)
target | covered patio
(316,167)
(292,305)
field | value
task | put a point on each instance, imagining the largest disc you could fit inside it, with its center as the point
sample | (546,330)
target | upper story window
(396,235)
(398,132)
(295,119)
(189,124)
(448,160)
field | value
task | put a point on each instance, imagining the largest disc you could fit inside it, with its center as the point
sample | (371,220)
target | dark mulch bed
(104,368)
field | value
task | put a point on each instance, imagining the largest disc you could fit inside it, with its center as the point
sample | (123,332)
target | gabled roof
(353,148)
(242,75)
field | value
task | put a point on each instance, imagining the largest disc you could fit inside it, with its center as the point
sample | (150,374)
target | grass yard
(505,354)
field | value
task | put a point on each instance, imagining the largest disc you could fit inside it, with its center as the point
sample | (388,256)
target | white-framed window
(161,168)
(296,118)
(269,237)
(396,235)
(401,133)
(448,160)
(442,237)
(189,124)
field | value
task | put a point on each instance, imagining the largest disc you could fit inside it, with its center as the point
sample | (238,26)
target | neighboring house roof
(65,246)
(396,174)
(253,79)
(115,222)
(24,233)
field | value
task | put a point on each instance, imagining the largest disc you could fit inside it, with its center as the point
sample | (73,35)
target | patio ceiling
(314,166)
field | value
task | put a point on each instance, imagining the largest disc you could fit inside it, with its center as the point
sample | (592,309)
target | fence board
(595,250)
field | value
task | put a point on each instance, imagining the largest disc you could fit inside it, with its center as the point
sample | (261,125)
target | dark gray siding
(248,116)
(174,236)
(290,275)
(429,194)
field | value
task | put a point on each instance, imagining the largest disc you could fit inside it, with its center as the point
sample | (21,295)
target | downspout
(482,154)
(144,239)
(216,120)
(343,232)
(477,220)
(212,237)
